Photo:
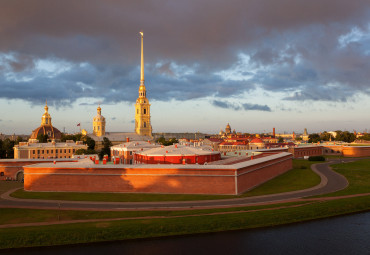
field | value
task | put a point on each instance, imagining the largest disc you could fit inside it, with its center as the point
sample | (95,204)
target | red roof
(256,140)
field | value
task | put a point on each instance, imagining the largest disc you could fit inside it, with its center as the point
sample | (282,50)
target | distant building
(46,127)
(27,150)
(125,151)
(99,124)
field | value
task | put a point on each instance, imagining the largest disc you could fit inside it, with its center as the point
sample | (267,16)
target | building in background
(28,150)
(99,124)
(125,151)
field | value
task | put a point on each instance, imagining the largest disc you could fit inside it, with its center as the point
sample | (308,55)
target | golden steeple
(142,106)
(46,118)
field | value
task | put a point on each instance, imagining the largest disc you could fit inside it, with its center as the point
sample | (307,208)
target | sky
(256,64)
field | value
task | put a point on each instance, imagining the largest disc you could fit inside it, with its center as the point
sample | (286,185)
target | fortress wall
(250,177)
(174,179)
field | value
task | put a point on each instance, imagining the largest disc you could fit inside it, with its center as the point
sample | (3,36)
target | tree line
(342,136)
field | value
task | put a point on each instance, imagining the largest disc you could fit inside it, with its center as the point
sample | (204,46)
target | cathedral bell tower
(142,106)
(99,123)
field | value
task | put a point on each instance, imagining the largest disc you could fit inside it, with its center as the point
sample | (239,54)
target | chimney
(127,139)
(273,132)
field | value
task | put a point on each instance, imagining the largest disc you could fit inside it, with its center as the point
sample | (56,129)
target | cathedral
(142,106)
(46,127)
(143,127)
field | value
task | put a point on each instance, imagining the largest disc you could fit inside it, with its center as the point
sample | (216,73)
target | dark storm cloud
(293,46)
(246,107)
(256,107)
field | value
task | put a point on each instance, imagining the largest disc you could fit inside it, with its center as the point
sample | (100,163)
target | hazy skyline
(254,64)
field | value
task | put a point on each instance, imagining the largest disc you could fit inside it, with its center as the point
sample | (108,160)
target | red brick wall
(356,151)
(177,180)
(10,168)
(184,181)
(257,174)
(300,152)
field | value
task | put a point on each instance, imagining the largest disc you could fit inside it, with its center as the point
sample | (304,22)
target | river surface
(341,235)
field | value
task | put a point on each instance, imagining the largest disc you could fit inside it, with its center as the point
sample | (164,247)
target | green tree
(89,142)
(2,150)
(280,139)
(165,142)
(85,152)
(8,148)
(345,137)
(18,140)
(365,137)
(298,139)
(106,148)
(43,138)
(76,137)
(325,136)
(314,138)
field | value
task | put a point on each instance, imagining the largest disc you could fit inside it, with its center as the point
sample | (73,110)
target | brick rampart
(176,179)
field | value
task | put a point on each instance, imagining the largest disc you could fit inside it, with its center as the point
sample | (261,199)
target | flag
(79,124)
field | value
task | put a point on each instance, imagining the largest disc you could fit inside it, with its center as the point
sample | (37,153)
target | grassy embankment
(300,177)
(357,173)
(143,228)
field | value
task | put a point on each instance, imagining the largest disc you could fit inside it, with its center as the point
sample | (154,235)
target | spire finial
(46,106)
(142,59)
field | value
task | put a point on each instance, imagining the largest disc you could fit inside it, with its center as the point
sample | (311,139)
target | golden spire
(142,59)
(46,106)
(99,110)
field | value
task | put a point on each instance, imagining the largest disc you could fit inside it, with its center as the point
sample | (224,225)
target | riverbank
(108,226)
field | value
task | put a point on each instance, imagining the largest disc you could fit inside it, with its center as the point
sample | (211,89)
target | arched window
(144,124)
(137,111)
(144,111)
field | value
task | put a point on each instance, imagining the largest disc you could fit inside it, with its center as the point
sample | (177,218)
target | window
(65,151)
(144,111)
(130,152)
(1,173)
(137,111)
(98,127)
(33,152)
(47,151)
(144,124)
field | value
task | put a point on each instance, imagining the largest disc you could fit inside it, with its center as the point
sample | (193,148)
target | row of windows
(38,157)
(52,151)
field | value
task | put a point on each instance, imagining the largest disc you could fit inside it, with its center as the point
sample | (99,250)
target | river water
(341,235)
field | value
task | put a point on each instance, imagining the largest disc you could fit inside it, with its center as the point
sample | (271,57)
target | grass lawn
(300,177)
(358,176)
(8,185)
(144,228)
(19,215)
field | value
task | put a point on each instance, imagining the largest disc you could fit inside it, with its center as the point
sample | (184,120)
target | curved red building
(177,154)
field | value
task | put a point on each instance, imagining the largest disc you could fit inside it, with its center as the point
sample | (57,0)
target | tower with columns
(142,106)
(99,123)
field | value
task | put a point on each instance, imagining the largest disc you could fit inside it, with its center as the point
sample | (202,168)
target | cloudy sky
(257,64)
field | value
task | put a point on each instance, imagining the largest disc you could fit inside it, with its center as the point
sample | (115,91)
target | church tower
(99,124)
(142,106)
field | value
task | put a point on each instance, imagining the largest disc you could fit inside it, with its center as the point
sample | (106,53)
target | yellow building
(27,150)
(99,124)
(142,106)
